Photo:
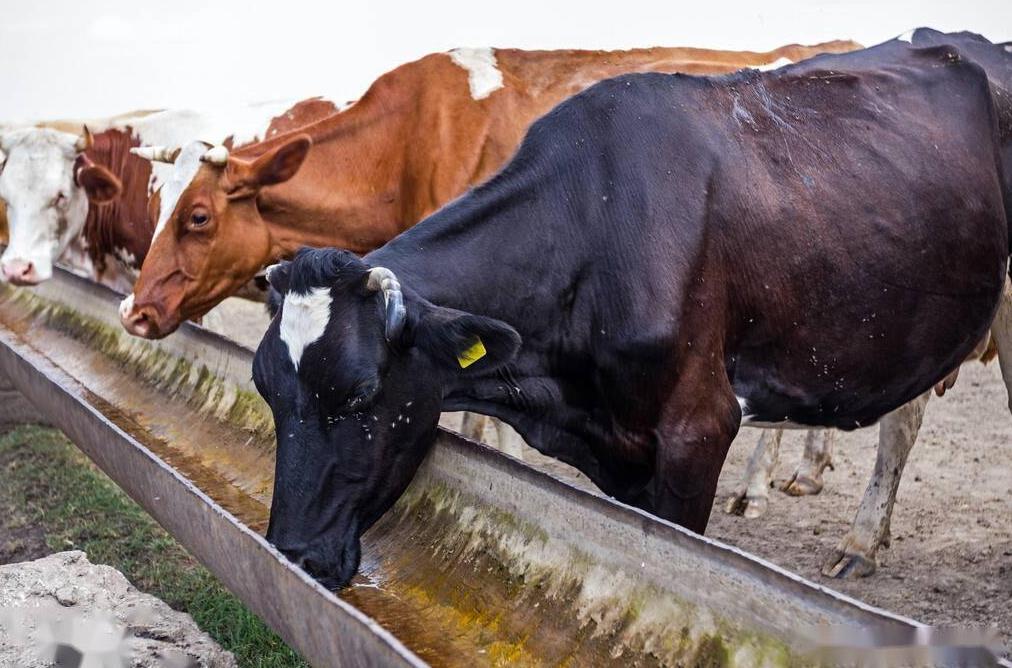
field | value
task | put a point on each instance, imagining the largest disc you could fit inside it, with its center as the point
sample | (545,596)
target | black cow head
(353,368)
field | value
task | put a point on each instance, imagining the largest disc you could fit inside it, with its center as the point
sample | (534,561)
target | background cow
(420,136)
(79,196)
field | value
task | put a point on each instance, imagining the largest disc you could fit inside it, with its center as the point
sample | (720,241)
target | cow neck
(105,224)
(348,190)
(493,253)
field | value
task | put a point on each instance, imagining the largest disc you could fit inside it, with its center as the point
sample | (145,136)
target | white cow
(855,554)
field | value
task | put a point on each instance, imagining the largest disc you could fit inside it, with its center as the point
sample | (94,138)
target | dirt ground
(950,562)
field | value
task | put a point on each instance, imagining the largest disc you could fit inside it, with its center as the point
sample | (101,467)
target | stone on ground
(64,610)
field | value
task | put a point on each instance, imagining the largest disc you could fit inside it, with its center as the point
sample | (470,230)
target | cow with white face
(42,181)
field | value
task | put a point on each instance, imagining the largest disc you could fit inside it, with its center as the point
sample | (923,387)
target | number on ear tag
(474,353)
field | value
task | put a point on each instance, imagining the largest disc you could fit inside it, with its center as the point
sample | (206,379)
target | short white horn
(156,153)
(216,155)
(85,141)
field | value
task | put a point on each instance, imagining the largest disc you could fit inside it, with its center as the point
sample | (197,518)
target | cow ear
(280,163)
(465,343)
(99,183)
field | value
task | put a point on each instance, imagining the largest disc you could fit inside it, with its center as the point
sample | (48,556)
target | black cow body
(820,244)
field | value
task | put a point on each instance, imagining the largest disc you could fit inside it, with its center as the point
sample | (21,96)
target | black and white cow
(628,246)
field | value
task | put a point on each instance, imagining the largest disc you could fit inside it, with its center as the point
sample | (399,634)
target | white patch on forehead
(483,75)
(907,37)
(185,167)
(304,318)
(775,65)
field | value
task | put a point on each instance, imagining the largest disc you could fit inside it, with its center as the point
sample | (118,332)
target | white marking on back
(304,318)
(483,75)
(907,37)
(775,65)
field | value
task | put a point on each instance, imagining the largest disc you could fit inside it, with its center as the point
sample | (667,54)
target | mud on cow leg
(818,456)
(752,501)
(855,553)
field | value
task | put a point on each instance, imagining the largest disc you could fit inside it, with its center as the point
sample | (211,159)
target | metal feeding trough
(483,561)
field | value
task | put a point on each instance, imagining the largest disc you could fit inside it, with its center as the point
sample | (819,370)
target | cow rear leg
(1001,331)
(752,501)
(855,553)
(807,478)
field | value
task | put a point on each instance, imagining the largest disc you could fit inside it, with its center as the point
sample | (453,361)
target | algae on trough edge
(195,384)
(638,617)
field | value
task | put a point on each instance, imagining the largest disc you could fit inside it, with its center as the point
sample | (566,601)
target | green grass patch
(48,482)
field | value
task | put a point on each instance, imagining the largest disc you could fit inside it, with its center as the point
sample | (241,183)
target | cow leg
(1001,331)
(695,432)
(753,501)
(855,553)
(510,442)
(472,426)
(807,478)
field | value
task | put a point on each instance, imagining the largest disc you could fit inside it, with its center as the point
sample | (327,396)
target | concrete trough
(483,561)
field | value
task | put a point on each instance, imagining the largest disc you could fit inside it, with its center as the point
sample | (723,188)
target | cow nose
(139,321)
(21,272)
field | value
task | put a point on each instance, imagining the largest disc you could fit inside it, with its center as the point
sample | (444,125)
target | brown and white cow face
(210,238)
(46,181)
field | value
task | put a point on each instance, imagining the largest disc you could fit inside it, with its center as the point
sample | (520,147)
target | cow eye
(60,200)
(199,218)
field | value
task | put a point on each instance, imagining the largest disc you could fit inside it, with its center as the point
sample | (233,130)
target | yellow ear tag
(474,353)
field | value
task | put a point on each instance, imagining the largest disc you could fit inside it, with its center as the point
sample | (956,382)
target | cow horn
(156,153)
(85,141)
(216,155)
(381,278)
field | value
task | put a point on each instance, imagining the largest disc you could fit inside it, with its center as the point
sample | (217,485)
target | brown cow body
(421,135)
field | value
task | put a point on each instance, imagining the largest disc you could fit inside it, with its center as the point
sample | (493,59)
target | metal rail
(594,553)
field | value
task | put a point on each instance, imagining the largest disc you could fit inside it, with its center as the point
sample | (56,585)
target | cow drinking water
(632,234)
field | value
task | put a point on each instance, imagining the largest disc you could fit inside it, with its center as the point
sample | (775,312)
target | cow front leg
(807,478)
(509,440)
(692,442)
(472,426)
(752,501)
(855,553)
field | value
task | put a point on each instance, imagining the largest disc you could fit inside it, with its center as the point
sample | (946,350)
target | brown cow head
(210,238)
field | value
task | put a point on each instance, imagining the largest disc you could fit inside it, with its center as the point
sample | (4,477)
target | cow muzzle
(21,272)
(142,320)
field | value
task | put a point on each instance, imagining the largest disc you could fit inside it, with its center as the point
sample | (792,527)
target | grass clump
(49,484)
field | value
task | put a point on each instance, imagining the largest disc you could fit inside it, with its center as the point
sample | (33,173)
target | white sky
(74,58)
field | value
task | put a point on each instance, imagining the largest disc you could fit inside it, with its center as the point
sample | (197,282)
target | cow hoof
(849,565)
(748,507)
(802,485)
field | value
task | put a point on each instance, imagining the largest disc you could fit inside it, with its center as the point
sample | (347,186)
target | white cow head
(47,204)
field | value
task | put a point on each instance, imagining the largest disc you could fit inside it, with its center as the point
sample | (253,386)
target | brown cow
(422,134)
